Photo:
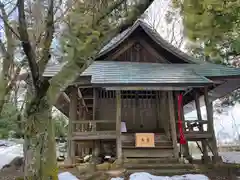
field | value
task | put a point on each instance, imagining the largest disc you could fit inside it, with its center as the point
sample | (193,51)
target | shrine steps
(133,161)
(158,166)
(163,148)
(163,172)
(129,152)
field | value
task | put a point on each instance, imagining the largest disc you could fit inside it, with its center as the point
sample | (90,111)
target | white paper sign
(123,127)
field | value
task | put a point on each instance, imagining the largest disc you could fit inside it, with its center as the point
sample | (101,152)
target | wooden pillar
(205,157)
(185,147)
(158,105)
(72,117)
(173,123)
(94,103)
(96,146)
(213,142)
(118,126)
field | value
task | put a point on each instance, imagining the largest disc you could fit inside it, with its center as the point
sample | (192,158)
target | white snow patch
(230,157)
(67,176)
(10,149)
(7,154)
(227,157)
(147,176)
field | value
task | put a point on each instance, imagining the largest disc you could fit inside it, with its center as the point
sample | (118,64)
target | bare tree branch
(13,9)
(65,12)
(106,13)
(49,30)
(58,7)
(14,79)
(4,17)
(3,49)
(27,48)
(9,36)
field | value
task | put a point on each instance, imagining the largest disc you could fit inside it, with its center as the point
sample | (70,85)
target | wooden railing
(196,126)
(196,129)
(97,129)
(92,126)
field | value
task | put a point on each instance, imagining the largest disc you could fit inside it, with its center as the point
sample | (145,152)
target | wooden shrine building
(125,103)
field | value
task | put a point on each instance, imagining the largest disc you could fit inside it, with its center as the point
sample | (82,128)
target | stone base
(190,159)
(206,159)
(217,159)
(115,173)
(68,161)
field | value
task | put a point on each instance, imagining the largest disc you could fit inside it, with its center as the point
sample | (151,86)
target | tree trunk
(4,97)
(1,106)
(2,94)
(39,148)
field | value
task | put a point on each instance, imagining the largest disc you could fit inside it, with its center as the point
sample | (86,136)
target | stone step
(163,172)
(158,166)
(155,147)
(148,152)
(151,160)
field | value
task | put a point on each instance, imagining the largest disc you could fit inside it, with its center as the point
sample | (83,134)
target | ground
(10,174)
(223,172)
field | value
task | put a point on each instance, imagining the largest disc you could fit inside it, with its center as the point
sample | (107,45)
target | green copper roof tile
(113,72)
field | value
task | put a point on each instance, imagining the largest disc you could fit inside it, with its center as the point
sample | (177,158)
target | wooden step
(158,166)
(156,147)
(90,105)
(151,160)
(163,172)
(88,97)
(146,152)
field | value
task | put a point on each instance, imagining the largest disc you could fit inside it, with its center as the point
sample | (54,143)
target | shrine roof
(186,71)
(116,72)
(152,33)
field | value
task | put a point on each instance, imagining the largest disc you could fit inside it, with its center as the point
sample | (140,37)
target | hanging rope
(180,123)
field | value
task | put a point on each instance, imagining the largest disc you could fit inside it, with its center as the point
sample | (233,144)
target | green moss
(20,178)
(31,178)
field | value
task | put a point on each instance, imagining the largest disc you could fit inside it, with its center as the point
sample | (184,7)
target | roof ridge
(153,33)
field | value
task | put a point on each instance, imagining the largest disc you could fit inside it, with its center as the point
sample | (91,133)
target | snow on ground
(7,154)
(13,148)
(143,176)
(67,176)
(231,157)
(228,157)
(147,176)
